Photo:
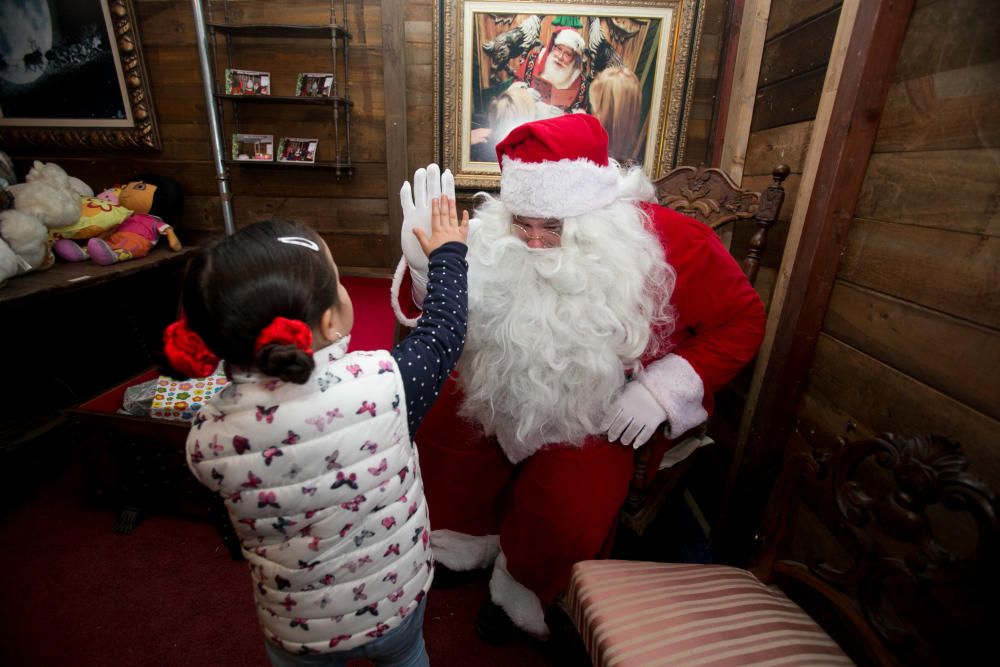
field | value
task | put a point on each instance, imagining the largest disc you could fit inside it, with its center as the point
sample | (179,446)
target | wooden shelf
(279,30)
(285,99)
(319,164)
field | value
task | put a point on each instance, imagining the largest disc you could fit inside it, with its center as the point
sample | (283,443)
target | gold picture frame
(99,59)
(484,47)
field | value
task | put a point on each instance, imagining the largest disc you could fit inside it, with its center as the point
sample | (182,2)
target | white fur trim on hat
(461,552)
(522,606)
(397,278)
(558,190)
(571,39)
(679,389)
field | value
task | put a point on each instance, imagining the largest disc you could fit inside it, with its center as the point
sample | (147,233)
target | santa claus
(596,318)
(556,71)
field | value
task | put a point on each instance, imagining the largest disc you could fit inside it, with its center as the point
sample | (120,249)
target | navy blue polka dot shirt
(428,355)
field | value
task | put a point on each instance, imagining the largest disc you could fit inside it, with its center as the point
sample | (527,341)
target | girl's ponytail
(284,350)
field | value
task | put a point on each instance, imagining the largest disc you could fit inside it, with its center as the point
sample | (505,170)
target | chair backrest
(709,195)
(889,543)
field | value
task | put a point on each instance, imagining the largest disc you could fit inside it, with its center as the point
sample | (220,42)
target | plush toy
(44,203)
(154,202)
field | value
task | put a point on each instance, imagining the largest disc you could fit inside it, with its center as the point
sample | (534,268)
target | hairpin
(300,241)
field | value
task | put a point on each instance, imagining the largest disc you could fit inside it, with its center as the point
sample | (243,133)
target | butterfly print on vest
(354,369)
(412,510)
(215,446)
(392,576)
(270,454)
(370,446)
(197,456)
(388,522)
(281,523)
(309,490)
(402,474)
(266,414)
(253,481)
(306,565)
(339,638)
(346,529)
(299,622)
(288,602)
(395,404)
(199,419)
(370,609)
(331,461)
(366,407)
(398,593)
(361,537)
(217,476)
(281,582)
(384,367)
(268,499)
(292,438)
(359,593)
(379,630)
(326,580)
(313,544)
(381,468)
(219,416)
(250,522)
(350,480)
(393,550)
(241,444)
(327,380)
(354,505)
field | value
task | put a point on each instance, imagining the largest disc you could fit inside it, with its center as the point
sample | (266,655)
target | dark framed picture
(294,149)
(630,63)
(72,76)
(247,82)
(314,84)
(253,147)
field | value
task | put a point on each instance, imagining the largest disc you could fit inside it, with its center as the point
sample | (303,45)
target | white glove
(635,416)
(427,184)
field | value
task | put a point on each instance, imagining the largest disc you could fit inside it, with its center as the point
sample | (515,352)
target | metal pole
(208,82)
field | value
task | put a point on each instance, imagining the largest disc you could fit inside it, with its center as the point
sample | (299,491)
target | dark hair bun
(286,362)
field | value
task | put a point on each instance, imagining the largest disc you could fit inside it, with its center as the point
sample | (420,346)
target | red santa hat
(557,168)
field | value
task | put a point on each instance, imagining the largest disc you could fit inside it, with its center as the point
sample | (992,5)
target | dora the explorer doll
(155,201)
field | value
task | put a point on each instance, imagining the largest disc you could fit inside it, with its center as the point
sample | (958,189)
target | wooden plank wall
(353,214)
(793,65)
(911,338)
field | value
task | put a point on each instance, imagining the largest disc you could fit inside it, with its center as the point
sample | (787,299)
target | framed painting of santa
(500,64)
(72,76)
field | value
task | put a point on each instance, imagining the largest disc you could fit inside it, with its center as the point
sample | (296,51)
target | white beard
(559,75)
(551,332)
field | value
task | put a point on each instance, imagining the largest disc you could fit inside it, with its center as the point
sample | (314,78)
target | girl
(310,446)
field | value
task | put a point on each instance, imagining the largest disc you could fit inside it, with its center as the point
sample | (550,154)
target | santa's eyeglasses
(546,238)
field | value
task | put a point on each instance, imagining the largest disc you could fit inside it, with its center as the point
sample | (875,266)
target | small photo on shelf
(293,149)
(253,147)
(314,84)
(247,82)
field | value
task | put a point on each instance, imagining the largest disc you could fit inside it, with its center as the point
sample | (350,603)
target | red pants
(551,510)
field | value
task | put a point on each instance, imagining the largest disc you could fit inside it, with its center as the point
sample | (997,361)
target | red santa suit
(555,505)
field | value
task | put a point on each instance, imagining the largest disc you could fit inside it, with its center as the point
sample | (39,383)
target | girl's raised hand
(445,226)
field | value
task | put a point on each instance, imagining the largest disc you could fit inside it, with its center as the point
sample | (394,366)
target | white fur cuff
(523,606)
(397,278)
(679,389)
(461,552)
(559,190)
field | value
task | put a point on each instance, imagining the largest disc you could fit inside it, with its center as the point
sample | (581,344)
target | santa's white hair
(552,331)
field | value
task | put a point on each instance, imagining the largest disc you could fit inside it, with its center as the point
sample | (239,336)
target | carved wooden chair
(708,195)
(884,549)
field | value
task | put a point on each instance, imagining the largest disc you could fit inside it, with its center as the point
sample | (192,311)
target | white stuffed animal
(46,202)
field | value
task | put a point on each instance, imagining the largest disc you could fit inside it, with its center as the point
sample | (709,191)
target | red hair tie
(187,352)
(284,331)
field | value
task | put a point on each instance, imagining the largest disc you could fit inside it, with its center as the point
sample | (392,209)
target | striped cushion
(637,613)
